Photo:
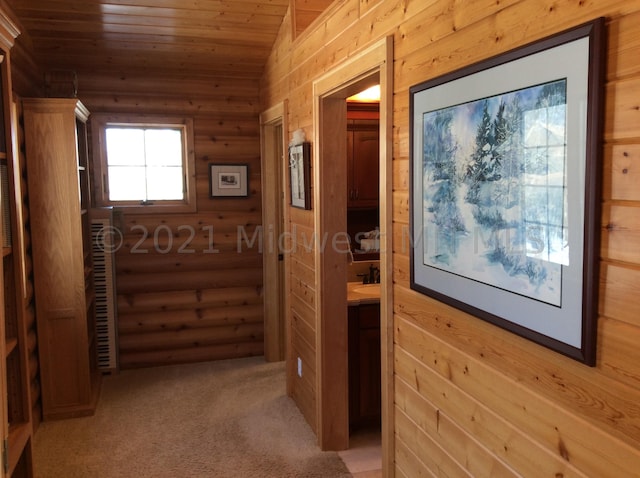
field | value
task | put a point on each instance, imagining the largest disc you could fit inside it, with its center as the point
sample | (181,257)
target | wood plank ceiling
(181,38)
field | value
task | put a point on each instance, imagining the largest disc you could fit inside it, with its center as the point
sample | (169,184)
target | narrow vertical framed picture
(505,159)
(228,180)
(300,175)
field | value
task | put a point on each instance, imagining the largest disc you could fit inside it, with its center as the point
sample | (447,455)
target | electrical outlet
(299,367)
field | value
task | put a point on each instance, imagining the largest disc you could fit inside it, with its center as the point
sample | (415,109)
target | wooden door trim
(344,80)
(272,188)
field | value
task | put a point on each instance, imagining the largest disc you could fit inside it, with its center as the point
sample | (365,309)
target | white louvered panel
(104,279)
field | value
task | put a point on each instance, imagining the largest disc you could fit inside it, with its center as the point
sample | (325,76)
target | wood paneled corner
(470,398)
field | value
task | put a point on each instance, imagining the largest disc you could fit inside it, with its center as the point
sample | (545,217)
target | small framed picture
(228,180)
(300,176)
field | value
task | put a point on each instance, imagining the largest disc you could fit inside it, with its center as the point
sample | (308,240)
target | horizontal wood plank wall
(189,286)
(304,12)
(300,245)
(472,399)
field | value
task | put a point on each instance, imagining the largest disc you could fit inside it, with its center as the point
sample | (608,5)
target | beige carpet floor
(216,419)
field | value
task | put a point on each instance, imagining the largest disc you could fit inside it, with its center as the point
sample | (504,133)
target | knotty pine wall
(470,398)
(175,305)
(304,12)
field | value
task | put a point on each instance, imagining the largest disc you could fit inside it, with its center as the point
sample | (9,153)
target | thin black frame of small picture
(300,175)
(228,180)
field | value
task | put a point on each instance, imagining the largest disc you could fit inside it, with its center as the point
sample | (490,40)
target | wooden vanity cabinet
(364,365)
(57,169)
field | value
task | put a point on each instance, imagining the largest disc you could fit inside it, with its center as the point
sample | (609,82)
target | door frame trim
(273,187)
(376,61)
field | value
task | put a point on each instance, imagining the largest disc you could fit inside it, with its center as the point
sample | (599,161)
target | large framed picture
(505,189)
(228,180)
(300,175)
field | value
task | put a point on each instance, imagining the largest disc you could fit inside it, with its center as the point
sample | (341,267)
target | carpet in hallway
(216,419)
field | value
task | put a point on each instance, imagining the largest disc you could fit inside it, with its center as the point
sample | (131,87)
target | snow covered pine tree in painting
(495,208)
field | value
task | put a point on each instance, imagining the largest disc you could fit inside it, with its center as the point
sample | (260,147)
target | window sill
(154,209)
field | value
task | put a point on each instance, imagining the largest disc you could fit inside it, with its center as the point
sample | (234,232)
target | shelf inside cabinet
(19,434)
(366,256)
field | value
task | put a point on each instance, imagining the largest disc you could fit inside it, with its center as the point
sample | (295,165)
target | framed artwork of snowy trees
(505,189)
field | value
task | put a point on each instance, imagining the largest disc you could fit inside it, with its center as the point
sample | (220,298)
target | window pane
(127,183)
(164,147)
(125,146)
(145,163)
(164,183)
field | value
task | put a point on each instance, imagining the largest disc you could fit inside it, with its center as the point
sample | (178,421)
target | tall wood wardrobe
(55,132)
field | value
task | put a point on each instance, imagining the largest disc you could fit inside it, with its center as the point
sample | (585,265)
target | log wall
(189,287)
(471,399)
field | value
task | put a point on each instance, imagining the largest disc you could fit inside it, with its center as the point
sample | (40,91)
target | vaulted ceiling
(156,37)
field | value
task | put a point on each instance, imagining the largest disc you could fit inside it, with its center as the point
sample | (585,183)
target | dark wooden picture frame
(505,159)
(228,180)
(300,175)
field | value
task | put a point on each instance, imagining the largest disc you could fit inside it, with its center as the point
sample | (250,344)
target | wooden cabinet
(363,173)
(58,178)
(364,366)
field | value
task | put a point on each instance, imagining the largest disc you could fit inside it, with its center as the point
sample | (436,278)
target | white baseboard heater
(105,289)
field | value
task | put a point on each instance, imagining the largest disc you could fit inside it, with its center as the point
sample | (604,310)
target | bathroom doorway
(372,66)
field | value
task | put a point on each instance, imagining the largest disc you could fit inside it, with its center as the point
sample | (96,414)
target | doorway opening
(370,67)
(363,222)
(274,221)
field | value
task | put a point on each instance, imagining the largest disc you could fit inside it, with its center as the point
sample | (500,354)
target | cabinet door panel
(370,406)
(364,365)
(366,145)
(363,152)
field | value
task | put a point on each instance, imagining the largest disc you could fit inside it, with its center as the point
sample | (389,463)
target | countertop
(359,293)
